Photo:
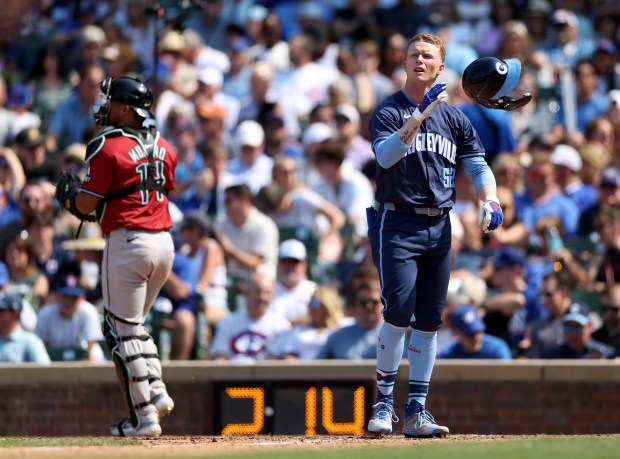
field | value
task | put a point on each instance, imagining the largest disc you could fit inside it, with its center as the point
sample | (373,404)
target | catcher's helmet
(126,90)
(489,80)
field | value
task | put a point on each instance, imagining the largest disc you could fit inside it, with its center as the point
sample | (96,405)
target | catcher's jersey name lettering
(434,143)
(137,153)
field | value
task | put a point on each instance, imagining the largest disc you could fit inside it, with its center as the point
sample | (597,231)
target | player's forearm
(86,203)
(392,149)
(481,175)
(407,133)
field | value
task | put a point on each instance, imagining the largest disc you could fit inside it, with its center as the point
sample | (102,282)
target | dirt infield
(204,446)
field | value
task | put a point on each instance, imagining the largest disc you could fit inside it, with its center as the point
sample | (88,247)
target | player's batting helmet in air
(489,81)
(126,90)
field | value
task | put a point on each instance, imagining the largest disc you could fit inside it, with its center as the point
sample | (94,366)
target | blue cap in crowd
(466,320)
(19,96)
(577,312)
(10,301)
(610,176)
(508,257)
(69,284)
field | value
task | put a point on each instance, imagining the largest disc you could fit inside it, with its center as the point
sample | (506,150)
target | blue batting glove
(491,215)
(434,96)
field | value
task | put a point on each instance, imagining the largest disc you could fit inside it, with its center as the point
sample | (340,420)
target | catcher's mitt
(67,188)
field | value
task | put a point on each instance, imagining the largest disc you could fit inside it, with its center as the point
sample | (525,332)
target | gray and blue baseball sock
(389,354)
(422,351)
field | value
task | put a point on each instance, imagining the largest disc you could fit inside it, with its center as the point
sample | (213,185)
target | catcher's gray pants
(135,266)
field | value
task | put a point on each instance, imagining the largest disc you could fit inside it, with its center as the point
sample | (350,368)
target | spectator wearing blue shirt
(358,341)
(73,121)
(590,104)
(472,342)
(542,197)
(578,335)
(494,128)
(568,165)
(564,47)
(16,344)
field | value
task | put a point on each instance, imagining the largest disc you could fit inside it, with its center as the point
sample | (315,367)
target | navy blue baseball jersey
(425,176)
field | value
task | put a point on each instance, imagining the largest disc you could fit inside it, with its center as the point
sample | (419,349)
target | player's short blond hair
(432,39)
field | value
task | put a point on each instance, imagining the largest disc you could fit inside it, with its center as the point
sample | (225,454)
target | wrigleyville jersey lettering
(425,175)
(118,159)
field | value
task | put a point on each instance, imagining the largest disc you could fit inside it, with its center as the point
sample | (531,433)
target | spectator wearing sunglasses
(578,342)
(609,333)
(358,341)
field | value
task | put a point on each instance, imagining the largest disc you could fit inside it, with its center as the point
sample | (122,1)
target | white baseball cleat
(422,425)
(126,429)
(382,417)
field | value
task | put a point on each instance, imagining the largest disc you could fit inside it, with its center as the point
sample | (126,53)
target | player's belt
(430,211)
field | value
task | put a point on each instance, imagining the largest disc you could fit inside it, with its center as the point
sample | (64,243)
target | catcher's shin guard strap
(132,377)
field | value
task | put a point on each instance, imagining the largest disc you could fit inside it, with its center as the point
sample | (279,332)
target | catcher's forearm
(86,203)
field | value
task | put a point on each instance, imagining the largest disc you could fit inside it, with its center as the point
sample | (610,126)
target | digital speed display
(293,408)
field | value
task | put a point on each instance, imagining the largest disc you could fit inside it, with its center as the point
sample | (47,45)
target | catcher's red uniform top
(118,159)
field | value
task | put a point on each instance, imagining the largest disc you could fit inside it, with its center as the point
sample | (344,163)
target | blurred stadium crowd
(267,103)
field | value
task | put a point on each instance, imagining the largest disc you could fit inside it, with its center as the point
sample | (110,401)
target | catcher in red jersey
(130,171)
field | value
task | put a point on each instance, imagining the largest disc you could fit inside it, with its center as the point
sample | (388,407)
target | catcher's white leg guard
(126,345)
(149,349)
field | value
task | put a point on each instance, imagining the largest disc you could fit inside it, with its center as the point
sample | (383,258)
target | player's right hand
(436,95)
(491,215)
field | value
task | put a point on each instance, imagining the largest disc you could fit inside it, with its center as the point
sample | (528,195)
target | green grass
(564,448)
(528,448)
(32,442)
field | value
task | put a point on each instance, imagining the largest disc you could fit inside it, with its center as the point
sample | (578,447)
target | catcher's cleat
(422,425)
(164,404)
(382,417)
(126,429)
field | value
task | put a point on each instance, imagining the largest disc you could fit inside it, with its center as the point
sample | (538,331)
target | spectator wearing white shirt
(210,81)
(293,288)
(255,333)
(342,185)
(325,309)
(301,88)
(202,56)
(249,238)
(358,149)
(70,321)
(252,166)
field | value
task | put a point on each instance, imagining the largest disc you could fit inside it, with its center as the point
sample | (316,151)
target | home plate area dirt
(205,446)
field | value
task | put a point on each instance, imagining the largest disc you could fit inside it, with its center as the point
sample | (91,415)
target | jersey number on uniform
(142,170)
(448,176)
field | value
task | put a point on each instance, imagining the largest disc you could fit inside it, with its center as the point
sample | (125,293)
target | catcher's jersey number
(292,408)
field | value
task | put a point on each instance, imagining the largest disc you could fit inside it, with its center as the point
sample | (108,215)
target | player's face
(423,63)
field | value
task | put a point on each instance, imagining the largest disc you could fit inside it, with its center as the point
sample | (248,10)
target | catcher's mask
(126,90)
(489,81)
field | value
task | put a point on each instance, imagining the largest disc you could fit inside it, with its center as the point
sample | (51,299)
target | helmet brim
(512,78)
